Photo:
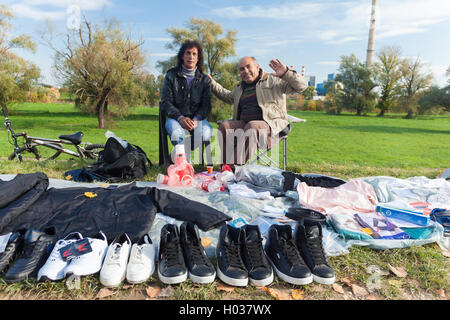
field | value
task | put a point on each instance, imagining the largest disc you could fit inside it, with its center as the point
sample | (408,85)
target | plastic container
(405,215)
(110,134)
(180,173)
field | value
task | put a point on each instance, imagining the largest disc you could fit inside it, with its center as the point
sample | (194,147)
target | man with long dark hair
(186,96)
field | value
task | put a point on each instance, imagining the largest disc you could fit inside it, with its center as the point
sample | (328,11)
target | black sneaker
(308,237)
(171,266)
(284,256)
(36,250)
(12,249)
(200,269)
(230,267)
(259,270)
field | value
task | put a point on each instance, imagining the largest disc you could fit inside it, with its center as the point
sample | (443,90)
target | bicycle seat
(75,138)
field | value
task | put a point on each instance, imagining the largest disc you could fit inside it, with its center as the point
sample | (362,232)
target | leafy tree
(357,92)
(309,93)
(413,81)
(387,75)
(17,76)
(435,97)
(100,65)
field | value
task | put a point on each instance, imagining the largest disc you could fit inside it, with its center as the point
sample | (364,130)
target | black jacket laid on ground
(177,100)
(25,202)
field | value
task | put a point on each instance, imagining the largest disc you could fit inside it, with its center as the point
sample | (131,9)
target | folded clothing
(380,227)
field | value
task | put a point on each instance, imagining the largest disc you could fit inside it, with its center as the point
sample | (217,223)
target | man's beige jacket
(271,95)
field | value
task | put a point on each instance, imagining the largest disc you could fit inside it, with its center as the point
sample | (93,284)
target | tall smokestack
(370,45)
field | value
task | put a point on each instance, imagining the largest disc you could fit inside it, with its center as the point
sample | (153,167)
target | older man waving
(259,114)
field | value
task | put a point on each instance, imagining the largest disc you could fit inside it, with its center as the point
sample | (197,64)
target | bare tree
(100,65)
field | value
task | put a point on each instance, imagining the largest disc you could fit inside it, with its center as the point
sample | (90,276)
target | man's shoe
(142,261)
(37,248)
(259,270)
(171,266)
(308,238)
(54,267)
(230,267)
(200,269)
(285,257)
(12,249)
(90,262)
(114,267)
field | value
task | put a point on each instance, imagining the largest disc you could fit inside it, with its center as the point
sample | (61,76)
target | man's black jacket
(177,100)
(25,202)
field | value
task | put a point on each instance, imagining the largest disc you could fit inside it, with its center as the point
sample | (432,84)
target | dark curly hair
(188,44)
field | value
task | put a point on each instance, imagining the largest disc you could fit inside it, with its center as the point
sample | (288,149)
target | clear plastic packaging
(110,134)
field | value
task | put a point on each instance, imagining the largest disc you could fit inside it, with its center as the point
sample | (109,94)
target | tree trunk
(101,113)
(409,115)
(381,114)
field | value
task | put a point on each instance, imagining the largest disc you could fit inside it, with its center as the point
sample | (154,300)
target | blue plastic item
(405,215)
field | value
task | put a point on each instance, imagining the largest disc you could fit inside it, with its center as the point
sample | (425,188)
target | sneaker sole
(261,282)
(289,279)
(139,280)
(232,281)
(112,284)
(324,280)
(202,280)
(172,280)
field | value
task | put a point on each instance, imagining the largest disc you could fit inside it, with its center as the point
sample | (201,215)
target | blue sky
(314,34)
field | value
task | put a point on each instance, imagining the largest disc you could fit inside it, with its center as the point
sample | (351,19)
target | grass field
(344,146)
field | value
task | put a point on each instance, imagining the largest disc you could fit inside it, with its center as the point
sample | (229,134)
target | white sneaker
(91,262)
(54,267)
(114,267)
(142,261)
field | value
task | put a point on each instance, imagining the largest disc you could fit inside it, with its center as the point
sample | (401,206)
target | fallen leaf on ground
(398,271)
(104,292)
(446,253)
(372,297)
(152,292)
(166,292)
(441,293)
(298,294)
(359,291)
(346,281)
(278,294)
(338,288)
(206,242)
(224,287)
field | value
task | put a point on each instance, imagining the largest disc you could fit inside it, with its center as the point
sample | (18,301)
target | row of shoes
(298,259)
(241,257)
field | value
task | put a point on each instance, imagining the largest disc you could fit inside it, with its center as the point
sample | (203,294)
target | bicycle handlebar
(4,113)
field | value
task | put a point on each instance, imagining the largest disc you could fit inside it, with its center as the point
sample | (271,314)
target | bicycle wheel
(23,150)
(35,152)
(92,150)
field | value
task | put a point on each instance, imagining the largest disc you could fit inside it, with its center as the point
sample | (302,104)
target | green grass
(324,140)
(344,146)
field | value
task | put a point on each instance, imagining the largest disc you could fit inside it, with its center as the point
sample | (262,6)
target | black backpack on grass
(116,163)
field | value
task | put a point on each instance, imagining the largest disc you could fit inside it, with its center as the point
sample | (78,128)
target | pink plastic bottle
(180,173)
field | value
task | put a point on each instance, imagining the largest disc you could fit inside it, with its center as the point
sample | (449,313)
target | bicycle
(84,150)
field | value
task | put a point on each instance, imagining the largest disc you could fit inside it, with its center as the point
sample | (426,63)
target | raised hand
(279,67)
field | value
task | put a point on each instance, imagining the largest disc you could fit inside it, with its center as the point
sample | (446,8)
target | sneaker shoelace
(172,253)
(115,257)
(197,254)
(316,249)
(234,255)
(256,253)
(291,253)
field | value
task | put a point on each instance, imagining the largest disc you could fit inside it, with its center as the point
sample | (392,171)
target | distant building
(312,81)
(320,87)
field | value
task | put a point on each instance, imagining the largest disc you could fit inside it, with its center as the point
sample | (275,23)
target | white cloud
(339,22)
(54,9)
(286,11)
